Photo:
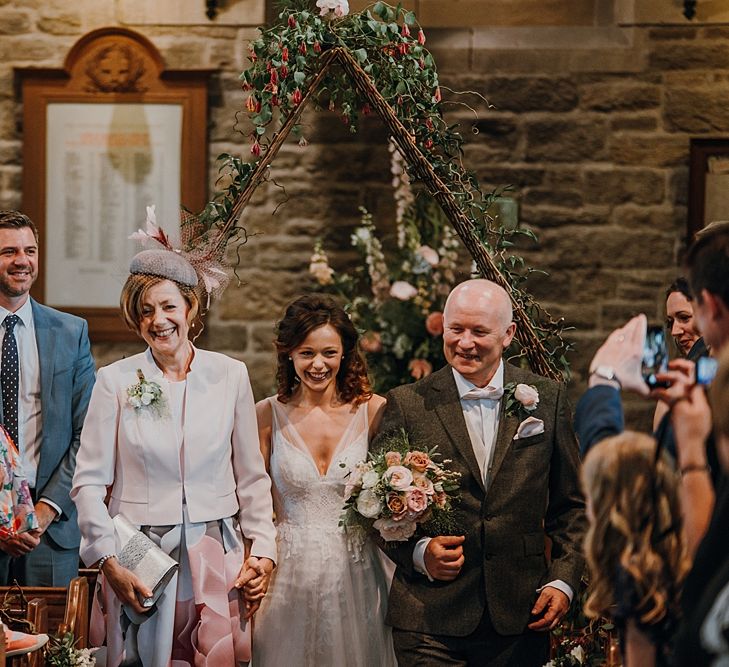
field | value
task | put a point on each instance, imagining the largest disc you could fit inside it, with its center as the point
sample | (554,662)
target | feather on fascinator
(196,263)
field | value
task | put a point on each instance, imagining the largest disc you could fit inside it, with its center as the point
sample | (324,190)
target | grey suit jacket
(67,376)
(533,493)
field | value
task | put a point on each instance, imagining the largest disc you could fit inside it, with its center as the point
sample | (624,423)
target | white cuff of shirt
(54,506)
(419,557)
(560,586)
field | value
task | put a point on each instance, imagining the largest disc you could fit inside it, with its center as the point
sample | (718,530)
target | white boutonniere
(146,395)
(521,399)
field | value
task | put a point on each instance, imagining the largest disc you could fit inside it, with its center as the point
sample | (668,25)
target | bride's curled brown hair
(301,317)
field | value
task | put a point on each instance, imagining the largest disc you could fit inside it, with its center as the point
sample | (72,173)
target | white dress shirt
(482,421)
(29,393)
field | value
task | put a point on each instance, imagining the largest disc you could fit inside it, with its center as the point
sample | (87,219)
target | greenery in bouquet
(400,489)
(62,652)
(396,298)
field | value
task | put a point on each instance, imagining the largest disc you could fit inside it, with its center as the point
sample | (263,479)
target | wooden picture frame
(708,183)
(117,71)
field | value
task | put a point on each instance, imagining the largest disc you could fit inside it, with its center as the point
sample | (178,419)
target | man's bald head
(484,295)
(478,327)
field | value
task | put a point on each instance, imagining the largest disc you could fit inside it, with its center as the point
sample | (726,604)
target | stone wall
(590,124)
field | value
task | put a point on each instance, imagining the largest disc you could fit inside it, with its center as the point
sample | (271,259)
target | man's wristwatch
(606,373)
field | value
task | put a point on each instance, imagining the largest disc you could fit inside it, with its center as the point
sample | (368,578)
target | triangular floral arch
(534,350)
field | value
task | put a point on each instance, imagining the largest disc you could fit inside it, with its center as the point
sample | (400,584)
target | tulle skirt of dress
(325,606)
(197,620)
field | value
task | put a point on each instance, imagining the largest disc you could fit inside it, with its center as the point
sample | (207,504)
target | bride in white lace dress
(326,603)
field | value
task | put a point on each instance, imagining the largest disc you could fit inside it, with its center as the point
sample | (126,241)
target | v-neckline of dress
(304,447)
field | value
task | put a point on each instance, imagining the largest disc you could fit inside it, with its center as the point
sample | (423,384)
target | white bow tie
(489,393)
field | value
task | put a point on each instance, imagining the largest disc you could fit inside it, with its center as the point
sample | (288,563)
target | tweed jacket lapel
(508,425)
(448,408)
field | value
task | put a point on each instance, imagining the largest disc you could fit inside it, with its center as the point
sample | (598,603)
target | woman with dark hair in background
(327,600)
(680,320)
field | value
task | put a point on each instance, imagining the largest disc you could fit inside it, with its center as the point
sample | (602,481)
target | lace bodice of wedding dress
(327,599)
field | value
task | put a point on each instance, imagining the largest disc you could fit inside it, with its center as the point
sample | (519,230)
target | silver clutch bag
(139,554)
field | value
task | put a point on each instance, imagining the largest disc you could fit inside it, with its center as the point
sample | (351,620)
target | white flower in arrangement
(369,479)
(339,7)
(147,398)
(362,234)
(402,290)
(395,531)
(428,254)
(578,653)
(368,504)
(320,269)
(146,395)
(135,402)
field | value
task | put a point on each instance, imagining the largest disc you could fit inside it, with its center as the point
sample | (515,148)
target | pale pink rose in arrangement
(428,254)
(398,477)
(434,323)
(417,460)
(371,342)
(368,504)
(417,502)
(395,531)
(402,290)
(370,479)
(393,459)
(420,368)
(527,395)
(422,482)
(396,504)
(339,7)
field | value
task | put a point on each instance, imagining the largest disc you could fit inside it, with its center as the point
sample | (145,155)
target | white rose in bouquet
(395,531)
(368,504)
(527,395)
(370,479)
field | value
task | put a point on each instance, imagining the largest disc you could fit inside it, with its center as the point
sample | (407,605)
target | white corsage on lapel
(529,427)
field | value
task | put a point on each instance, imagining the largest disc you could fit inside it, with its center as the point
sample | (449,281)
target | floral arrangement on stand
(399,489)
(397,300)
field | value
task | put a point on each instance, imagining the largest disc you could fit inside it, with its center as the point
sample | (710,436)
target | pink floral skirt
(198,619)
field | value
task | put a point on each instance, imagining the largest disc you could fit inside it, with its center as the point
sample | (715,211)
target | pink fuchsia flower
(417,502)
(420,368)
(393,459)
(428,254)
(296,97)
(395,531)
(402,290)
(256,149)
(417,461)
(527,395)
(399,478)
(405,32)
(292,21)
(371,342)
(421,37)
(434,323)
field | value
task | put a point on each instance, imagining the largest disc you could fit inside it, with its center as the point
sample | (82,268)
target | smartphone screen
(706,368)
(655,356)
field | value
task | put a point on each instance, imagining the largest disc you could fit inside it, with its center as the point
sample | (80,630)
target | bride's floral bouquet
(398,489)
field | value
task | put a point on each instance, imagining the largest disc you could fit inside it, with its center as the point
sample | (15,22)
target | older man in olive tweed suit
(489,596)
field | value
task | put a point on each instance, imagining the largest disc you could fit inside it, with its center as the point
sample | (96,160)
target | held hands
(444,557)
(23,543)
(551,605)
(254,578)
(126,585)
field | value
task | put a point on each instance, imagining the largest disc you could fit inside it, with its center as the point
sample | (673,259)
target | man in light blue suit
(46,379)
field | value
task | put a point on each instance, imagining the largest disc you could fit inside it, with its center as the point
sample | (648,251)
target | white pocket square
(530,426)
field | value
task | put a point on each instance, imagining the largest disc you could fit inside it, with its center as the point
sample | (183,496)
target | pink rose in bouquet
(423,483)
(420,368)
(417,502)
(417,460)
(399,478)
(395,531)
(371,342)
(393,459)
(397,505)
